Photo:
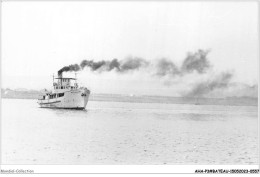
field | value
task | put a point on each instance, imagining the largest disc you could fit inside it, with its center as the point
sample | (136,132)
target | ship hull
(73,99)
(77,108)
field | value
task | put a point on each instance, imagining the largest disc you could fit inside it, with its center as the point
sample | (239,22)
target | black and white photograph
(167,84)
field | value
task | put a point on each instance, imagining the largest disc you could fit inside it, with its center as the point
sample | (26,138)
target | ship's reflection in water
(129,133)
(64,113)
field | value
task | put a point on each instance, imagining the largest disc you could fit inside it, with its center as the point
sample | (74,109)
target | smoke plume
(166,67)
(132,64)
(193,62)
(74,67)
(194,66)
(128,64)
(92,65)
(220,81)
(196,62)
(114,64)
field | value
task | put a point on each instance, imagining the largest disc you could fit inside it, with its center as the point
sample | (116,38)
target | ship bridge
(65,83)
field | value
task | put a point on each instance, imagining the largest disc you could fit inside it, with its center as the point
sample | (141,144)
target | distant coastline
(233,101)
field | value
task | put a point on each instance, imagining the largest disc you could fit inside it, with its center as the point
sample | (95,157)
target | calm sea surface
(128,133)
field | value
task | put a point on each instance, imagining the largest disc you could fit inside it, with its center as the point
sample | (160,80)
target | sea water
(128,133)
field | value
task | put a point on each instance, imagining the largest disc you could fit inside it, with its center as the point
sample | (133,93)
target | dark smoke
(114,64)
(74,67)
(166,67)
(193,62)
(196,62)
(132,64)
(125,65)
(92,65)
(220,81)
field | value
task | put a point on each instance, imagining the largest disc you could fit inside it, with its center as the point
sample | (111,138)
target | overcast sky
(39,38)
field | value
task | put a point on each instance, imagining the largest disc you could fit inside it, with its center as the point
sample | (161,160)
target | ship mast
(76,84)
(53,79)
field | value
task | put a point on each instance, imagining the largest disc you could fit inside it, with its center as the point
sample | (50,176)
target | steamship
(66,94)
